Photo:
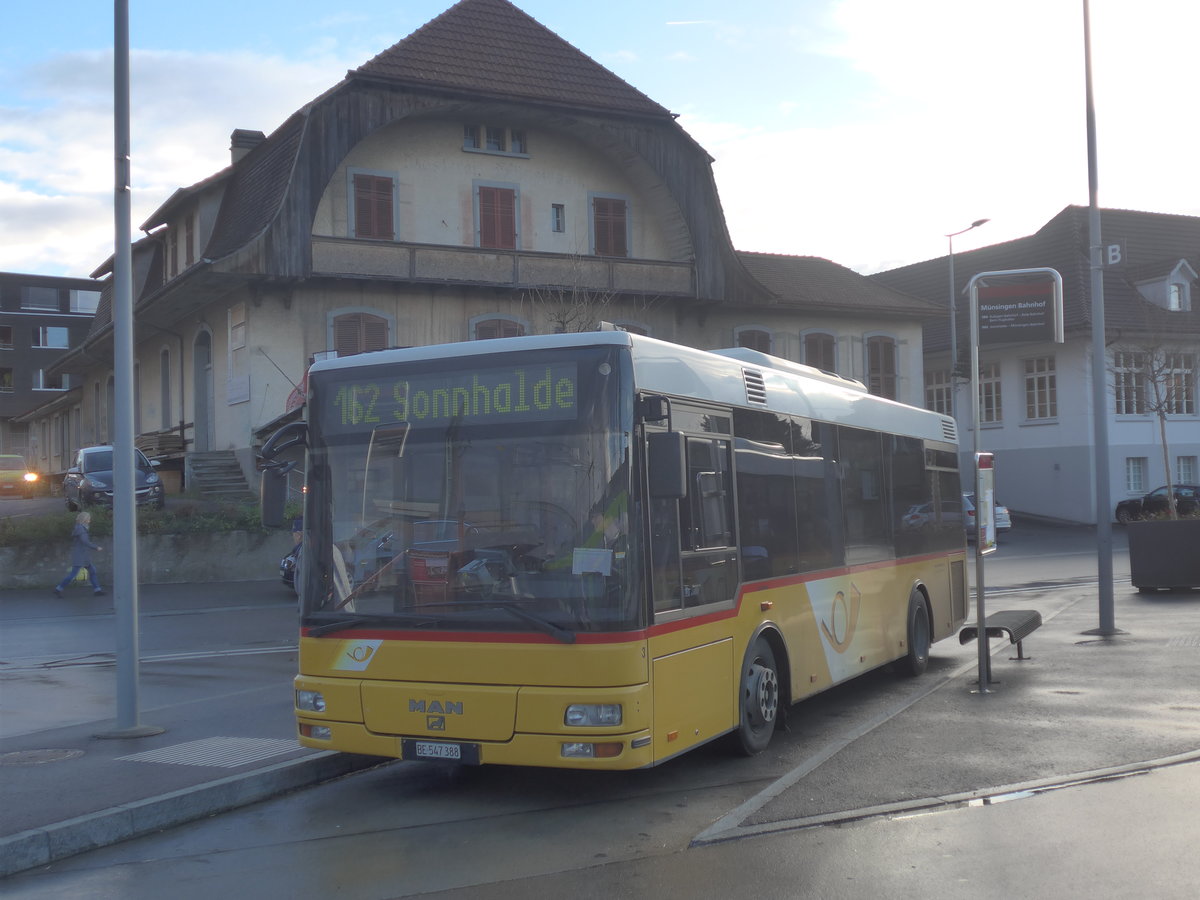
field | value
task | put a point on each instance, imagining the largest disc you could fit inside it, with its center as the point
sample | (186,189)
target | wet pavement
(1083,710)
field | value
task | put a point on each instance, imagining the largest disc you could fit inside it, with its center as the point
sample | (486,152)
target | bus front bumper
(576,751)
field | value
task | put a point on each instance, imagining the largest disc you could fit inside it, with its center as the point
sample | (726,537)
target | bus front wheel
(916,660)
(758,699)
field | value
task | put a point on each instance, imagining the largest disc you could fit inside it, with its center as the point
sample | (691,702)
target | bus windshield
(485,493)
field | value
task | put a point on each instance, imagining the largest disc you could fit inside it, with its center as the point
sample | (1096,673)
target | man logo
(435,723)
(449,708)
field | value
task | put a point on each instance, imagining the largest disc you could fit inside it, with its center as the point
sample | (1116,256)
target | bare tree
(1158,376)
(574,306)
(569,308)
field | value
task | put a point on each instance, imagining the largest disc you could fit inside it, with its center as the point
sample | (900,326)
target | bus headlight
(592,715)
(31,477)
(311,701)
(591,751)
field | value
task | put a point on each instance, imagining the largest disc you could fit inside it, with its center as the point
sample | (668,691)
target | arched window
(484,329)
(881,366)
(753,338)
(820,351)
(359,332)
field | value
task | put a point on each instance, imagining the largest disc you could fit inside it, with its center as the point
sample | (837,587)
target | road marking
(109,659)
(911,809)
(222,752)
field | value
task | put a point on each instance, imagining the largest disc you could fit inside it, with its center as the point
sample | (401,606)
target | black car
(1154,504)
(287,568)
(90,481)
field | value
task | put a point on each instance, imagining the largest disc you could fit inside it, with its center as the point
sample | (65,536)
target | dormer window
(1172,289)
(499,140)
(1175,297)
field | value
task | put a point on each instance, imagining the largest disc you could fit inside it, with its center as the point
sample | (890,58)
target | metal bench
(1015,624)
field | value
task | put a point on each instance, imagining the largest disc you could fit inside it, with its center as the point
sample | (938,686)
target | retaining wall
(162,559)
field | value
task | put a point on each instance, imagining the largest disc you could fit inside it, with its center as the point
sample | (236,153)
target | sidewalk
(1083,708)
(228,734)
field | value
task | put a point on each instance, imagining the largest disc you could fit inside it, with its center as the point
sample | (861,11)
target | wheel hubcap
(763,700)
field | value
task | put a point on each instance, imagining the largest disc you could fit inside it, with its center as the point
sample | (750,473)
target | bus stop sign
(1025,307)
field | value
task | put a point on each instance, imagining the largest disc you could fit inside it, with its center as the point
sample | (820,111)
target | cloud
(56,147)
(950,127)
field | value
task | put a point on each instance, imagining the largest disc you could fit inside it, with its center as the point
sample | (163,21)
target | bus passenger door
(708,556)
(693,552)
(695,571)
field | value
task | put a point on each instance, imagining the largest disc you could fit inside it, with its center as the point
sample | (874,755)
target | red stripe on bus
(622,637)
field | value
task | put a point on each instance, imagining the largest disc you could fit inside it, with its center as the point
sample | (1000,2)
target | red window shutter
(818,352)
(358,333)
(609,226)
(754,339)
(374,333)
(881,364)
(497,218)
(373,207)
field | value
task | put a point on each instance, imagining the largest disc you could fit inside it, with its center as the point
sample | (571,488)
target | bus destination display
(512,394)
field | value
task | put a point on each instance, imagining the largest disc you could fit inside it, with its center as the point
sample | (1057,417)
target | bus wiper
(362,621)
(543,625)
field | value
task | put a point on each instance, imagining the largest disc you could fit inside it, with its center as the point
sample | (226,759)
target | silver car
(1000,513)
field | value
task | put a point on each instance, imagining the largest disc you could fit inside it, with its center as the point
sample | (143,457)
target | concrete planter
(162,559)
(1163,554)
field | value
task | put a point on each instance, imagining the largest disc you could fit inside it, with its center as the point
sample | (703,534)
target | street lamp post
(953,304)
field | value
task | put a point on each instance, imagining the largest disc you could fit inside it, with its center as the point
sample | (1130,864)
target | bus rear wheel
(758,699)
(916,660)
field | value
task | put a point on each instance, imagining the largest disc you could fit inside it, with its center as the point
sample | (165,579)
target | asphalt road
(415,829)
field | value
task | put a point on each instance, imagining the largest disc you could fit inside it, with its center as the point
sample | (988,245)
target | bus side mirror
(667,466)
(294,434)
(273,492)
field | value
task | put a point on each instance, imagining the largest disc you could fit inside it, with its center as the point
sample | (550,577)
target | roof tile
(491,48)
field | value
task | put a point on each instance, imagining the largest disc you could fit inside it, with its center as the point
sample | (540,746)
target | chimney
(243,141)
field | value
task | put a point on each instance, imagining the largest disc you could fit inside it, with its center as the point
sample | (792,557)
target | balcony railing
(513,268)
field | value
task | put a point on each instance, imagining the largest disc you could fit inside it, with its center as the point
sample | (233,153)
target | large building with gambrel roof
(481,178)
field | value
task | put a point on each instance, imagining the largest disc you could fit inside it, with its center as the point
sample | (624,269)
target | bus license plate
(428,750)
(467,754)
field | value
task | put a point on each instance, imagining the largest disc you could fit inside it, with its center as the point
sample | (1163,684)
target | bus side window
(707,513)
(664,549)
(709,560)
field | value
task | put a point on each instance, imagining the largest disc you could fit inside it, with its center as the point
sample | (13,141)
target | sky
(861,131)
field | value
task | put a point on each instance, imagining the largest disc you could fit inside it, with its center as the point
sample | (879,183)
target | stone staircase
(216,475)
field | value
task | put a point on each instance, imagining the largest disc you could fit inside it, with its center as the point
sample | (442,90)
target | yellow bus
(602,550)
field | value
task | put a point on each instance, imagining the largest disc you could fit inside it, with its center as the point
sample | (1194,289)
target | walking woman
(81,555)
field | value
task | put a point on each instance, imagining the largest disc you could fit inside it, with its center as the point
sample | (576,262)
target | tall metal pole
(1104,564)
(125,594)
(954,316)
(981,637)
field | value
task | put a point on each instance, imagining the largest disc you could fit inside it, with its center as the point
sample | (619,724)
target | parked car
(924,516)
(1154,504)
(16,478)
(999,513)
(90,481)
(287,568)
